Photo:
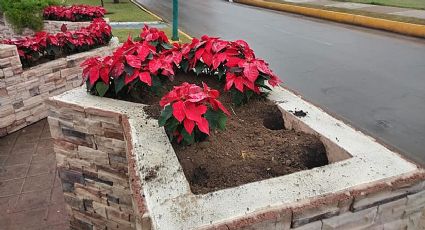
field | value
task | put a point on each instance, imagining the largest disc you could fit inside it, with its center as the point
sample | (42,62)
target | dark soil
(255,146)
(300,113)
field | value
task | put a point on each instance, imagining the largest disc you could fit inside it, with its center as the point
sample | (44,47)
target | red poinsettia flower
(97,33)
(189,104)
(73,13)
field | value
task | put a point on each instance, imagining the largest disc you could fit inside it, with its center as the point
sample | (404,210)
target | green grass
(125,11)
(122,34)
(358,12)
(413,4)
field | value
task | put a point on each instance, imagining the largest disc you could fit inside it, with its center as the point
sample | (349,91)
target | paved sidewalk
(30,192)
(420,14)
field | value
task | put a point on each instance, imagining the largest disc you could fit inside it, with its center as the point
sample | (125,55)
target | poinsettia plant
(156,38)
(232,62)
(43,44)
(74,13)
(189,112)
(133,66)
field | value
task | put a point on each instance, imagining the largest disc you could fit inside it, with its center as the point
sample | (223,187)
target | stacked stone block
(90,145)
(401,208)
(23,92)
(91,157)
(53,27)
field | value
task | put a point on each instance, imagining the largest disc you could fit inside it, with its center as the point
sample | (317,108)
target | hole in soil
(274,121)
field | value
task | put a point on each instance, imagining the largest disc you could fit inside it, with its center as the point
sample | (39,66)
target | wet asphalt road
(372,79)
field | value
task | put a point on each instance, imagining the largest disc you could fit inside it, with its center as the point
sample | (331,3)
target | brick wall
(23,92)
(90,148)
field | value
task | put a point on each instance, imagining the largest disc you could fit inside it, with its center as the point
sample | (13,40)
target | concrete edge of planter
(370,168)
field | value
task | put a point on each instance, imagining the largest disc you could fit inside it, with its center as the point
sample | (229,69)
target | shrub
(135,65)
(43,44)
(232,62)
(25,13)
(190,112)
(75,13)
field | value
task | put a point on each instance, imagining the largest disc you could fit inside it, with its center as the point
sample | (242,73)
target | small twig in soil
(233,110)
(235,114)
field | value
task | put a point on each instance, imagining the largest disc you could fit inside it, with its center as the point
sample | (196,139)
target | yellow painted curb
(360,20)
(186,35)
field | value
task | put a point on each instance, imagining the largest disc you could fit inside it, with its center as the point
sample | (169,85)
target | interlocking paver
(23,147)
(10,187)
(5,149)
(39,182)
(31,196)
(18,158)
(29,219)
(40,168)
(44,155)
(3,158)
(32,200)
(13,172)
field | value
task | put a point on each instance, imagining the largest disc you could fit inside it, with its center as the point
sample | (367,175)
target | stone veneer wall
(90,148)
(53,27)
(90,145)
(397,209)
(22,92)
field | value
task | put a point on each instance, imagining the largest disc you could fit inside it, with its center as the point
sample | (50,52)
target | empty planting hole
(274,121)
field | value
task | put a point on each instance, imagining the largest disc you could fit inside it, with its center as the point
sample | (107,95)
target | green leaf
(171,125)
(199,68)
(216,119)
(167,46)
(101,88)
(119,84)
(166,113)
(88,86)
(249,94)
(222,121)
(155,43)
(156,85)
(238,98)
(185,65)
(220,73)
(188,138)
(129,70)
(261,83)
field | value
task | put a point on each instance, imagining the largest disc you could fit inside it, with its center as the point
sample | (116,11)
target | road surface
(374,80)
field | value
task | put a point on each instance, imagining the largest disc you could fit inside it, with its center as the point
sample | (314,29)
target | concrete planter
(119,170)
(22,92)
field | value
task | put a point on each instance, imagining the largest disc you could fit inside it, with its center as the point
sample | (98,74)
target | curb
(359,20)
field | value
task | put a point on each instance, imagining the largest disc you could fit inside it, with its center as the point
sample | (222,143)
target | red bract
(235,60)
(132,63)
(73,13)
(151,34)
(31,48)
(189,104)
(97,68)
